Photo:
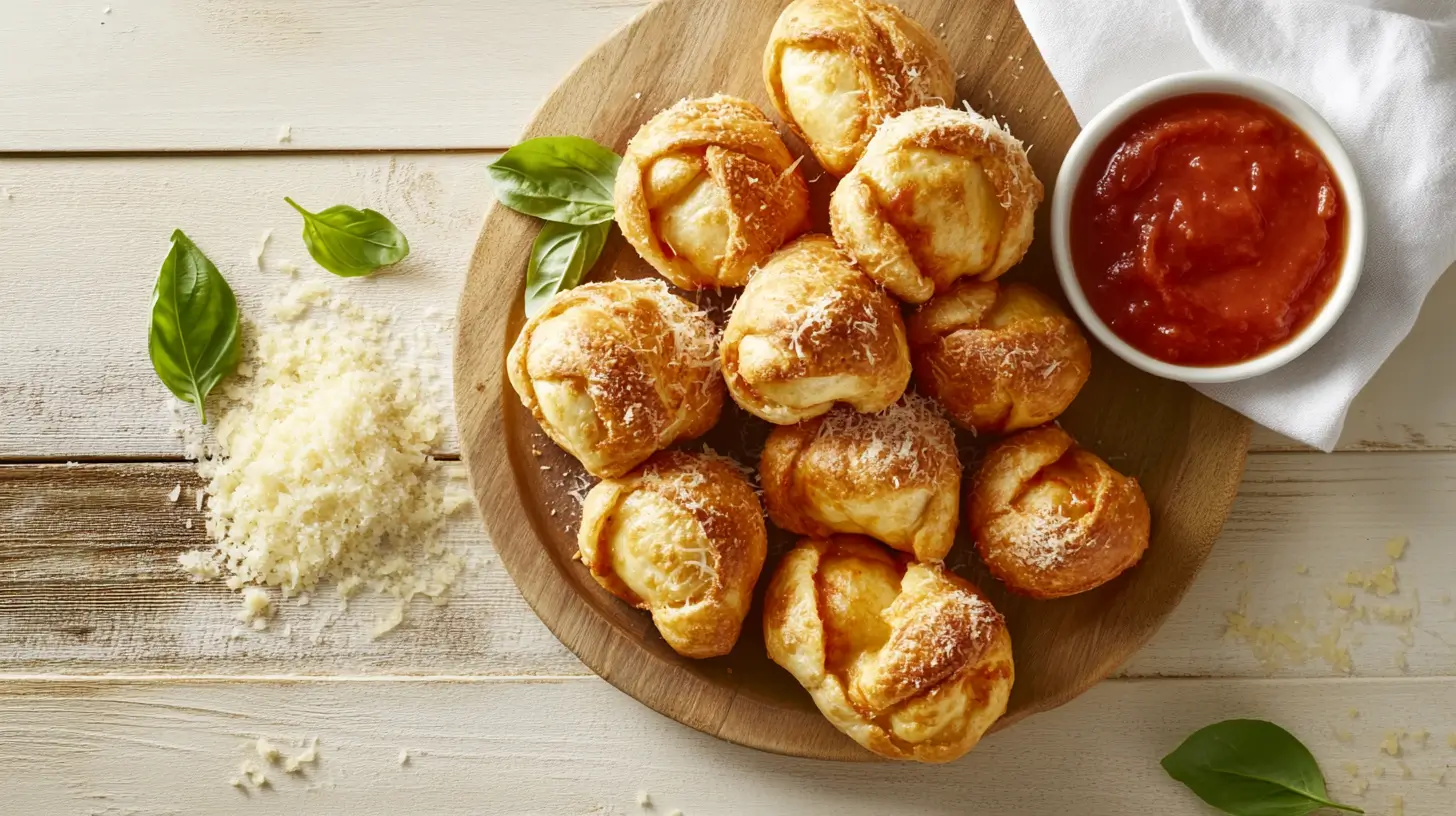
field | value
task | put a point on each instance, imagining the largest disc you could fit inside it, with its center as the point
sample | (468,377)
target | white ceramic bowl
(1295,110)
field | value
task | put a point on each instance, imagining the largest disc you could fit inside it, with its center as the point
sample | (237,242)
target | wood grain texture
(87,236)
(581,747)
(88,583)
(1185,450)
(181,75)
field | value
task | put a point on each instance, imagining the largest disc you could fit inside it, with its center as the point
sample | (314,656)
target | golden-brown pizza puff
(616,371)
(998,358)
(836,69)
(938,195)
(707,189)
(1051,519)
(683,537)
(893,475)
(810,330)
(908,659)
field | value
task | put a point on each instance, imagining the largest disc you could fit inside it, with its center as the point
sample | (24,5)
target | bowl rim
(1297,111)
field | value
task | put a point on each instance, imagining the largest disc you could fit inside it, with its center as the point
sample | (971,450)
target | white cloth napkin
(1382,72)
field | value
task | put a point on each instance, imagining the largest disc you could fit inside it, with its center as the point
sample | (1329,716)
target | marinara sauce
(1207,230)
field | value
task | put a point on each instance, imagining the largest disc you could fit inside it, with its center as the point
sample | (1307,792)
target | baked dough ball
(836,69)
(1051,519)
(810,330)
(707,189)
(892,475)
(939,195)
(616,371)
(908,659)
(682,537)
(999,358)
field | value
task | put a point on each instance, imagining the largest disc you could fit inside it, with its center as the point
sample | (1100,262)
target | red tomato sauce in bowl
(1207,229)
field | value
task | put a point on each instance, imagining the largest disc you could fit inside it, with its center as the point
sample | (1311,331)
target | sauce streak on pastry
(1207,230)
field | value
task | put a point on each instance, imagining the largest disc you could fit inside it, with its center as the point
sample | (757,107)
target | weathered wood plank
(178,75)
(579,746)
(88,582)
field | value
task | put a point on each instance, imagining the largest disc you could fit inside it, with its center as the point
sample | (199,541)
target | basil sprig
(560,258)
(1251,768)
(568,182)
(194,336)
(350,242)
(566,179)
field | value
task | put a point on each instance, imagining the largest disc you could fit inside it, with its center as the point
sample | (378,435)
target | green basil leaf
(559,178)
(1251,768)
(560,257)
(194,337)
(350,242)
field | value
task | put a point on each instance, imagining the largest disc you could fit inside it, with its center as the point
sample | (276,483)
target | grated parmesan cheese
(320,470)
(266,750)
(175,494)
(256,607)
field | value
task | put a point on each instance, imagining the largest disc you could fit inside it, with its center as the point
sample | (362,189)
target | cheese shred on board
(319,468)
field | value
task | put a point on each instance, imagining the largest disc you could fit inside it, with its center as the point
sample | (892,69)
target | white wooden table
(122,689)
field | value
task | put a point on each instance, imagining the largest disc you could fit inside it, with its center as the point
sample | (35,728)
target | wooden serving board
(1187,451)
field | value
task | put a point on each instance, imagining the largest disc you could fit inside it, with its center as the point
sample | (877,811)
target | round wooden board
(1187,451)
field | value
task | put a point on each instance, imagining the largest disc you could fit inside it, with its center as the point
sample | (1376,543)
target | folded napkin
(1382,72)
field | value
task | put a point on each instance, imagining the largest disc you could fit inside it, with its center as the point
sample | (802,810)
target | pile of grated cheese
(319,468)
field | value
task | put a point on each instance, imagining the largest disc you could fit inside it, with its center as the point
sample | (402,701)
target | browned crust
(997,378)
(1109,539)
(646,391)
(868,231)
(716,493)
(744,156)
(859,331)
(947,650)
(900,64)
(847,463)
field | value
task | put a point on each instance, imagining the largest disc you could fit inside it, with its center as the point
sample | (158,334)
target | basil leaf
(350,242)
(560,257)
(559,178)
(1251,768)
(194,337)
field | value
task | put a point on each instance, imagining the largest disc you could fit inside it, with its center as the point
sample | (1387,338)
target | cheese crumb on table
(644,799)
(285,134)
(404,757)
(256,607)
(267,750)
(175,494)
(1391,744)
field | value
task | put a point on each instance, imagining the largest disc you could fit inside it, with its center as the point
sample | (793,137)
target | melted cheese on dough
(893,516)
(689,210)
(659,550)
(945,207)
(822,90)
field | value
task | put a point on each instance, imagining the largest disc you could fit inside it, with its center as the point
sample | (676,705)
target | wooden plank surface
(88,584)
(581,747)
(85,238)
(183,75)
